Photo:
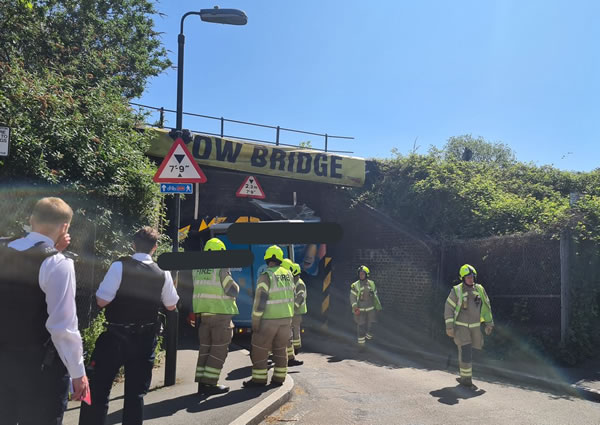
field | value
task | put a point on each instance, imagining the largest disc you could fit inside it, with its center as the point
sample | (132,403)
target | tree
(467,148)
(66,69)
(102,40)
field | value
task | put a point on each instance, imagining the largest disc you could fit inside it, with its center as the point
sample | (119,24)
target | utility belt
(134,328)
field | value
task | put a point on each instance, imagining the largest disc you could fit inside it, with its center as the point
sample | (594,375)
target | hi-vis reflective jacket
(454,304)
(357,296)
(300,301)
(209,293)
(275,299)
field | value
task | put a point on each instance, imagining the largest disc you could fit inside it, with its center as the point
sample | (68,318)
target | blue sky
(525,73)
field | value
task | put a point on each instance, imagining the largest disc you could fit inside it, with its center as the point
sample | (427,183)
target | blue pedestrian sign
(177,188)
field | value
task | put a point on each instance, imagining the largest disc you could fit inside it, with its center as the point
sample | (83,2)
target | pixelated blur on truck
(246,278)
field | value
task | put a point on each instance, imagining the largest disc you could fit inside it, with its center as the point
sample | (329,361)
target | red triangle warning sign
(250,189)
(179,166)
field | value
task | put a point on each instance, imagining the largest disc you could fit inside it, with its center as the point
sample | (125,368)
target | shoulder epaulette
(71,255)
(46,249)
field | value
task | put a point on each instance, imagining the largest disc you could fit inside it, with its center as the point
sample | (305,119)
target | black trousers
(115,348)
(28,395)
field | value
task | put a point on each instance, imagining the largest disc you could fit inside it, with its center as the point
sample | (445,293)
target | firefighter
(272,314)
(365,303)
(214,303)
(467,306)
(299,309)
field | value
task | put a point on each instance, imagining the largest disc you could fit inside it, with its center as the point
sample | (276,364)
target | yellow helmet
(296,269)
(363,269)
(214,244)
(466,270)
(287,264)
(274,253)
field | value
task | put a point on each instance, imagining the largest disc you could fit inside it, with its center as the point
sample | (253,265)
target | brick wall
(403,264)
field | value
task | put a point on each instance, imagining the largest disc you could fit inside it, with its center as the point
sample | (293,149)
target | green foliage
(82,140)
(111,40)
(91,334)
(448,198)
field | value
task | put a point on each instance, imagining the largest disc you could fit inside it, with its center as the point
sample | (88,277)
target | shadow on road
(452,395)
(239,373)
(192,403)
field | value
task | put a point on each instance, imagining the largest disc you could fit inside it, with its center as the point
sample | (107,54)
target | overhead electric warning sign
(250,189)
(179,166)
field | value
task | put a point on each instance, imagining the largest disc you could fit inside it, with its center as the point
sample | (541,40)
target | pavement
(179,404)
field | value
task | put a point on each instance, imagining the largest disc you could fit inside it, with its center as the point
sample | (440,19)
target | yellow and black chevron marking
(326,282)
(183,232)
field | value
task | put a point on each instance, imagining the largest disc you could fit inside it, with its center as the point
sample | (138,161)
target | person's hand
(488,330)
(356,311)
(450,332)
(81,388)
(63,242)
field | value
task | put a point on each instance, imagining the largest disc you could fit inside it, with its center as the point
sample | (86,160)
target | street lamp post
(218,16)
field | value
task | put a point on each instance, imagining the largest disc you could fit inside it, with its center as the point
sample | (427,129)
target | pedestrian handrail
(224,120)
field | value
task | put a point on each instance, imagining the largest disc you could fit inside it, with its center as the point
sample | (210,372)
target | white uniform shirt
(57,281)
(112,282)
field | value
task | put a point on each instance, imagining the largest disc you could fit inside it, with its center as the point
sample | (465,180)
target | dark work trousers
(116,348)
(28,395)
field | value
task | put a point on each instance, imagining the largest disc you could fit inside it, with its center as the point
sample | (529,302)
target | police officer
(40,344)
(132,292)
(272,314)
(365,302)
(214,304)
(299,310)
(467,306)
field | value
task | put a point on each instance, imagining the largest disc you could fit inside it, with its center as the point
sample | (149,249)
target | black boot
(252,384)
(466,382)
(294,362)
(214,389)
